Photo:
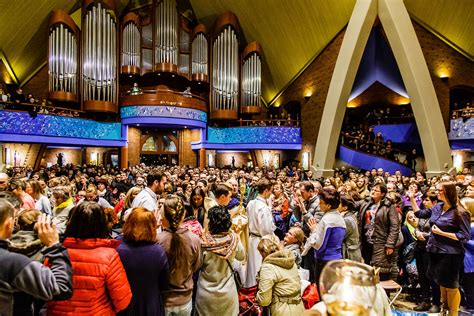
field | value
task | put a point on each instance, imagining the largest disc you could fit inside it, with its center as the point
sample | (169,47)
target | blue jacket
(447,223)
(469,255)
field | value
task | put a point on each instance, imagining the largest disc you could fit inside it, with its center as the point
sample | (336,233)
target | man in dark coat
(379,226)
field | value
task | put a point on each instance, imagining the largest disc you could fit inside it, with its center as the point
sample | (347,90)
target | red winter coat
(100,285)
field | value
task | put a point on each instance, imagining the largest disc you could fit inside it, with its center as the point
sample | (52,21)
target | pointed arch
(407,51)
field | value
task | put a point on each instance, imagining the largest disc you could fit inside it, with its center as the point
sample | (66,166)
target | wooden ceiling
(292,32)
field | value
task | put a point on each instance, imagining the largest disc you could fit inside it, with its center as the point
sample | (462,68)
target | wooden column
(202,158)
(124,157)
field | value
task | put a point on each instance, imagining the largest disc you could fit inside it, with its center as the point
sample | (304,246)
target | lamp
(307,97)
(444,78)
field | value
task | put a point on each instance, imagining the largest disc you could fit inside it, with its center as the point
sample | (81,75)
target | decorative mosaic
(23,123)
(252,135)
(163,111)
(461,129)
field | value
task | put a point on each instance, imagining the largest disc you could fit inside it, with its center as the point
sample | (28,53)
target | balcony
(25,127)
(461,133)
(251,137)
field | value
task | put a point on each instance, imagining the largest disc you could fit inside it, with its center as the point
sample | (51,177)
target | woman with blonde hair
(145,263)
(278,280)
(183,250)
(42,203)
(294,241)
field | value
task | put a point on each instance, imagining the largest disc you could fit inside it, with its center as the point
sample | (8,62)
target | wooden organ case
(158,49)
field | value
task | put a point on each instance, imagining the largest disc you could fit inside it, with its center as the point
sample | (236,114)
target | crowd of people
(374,143)
(175,240)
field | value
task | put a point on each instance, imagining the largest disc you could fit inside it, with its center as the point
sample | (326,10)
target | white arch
(407,51)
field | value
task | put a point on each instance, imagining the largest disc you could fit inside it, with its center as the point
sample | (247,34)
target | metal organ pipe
(225,71)
(131,45)
(62,60)
(99,45)
(166,47)
(199,55)
(251,80)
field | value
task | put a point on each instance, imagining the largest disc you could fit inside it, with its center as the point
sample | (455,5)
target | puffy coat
(100,285)
(279,284)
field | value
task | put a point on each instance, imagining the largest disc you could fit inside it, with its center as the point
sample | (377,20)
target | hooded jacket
(99,280)
(279,284)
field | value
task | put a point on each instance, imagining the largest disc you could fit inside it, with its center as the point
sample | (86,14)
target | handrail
(52,110)
(270,122)
(394,150)
(465,113)
(156,91)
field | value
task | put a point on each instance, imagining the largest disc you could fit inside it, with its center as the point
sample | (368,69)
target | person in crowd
(413,188)
(430,295)
(216,281)
(92,196)
(147,198)
(145,263)
(103,191)
(379,229)
(294,241)
(251,191)
(468,273)
(327,236)
(450,228)
(260,224)
(100,284)
(280,210)
(18,187)
(4,179)
(278,279)
(183,250)
(26,275)
(408,249)
(42,203)
(127,202)
(63,203)
(351,243)
(362,188)
(196,204)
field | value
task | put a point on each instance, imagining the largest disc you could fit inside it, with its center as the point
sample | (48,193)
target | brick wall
(315,79)
(186,155)
(443,59)
(38,85)
(73,156)
(134,149)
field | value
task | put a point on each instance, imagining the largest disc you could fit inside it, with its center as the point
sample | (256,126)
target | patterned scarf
(222,245)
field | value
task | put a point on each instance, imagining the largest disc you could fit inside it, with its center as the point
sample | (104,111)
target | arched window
(150,144)
(168,145)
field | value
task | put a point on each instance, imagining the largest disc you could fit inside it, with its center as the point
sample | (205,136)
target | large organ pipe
(62,57)
(166,36)
(199,53)
(251,79)
(225,73)
(99,57)
(131,45)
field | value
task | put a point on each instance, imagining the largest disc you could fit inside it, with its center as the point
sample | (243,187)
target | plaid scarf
(222,245)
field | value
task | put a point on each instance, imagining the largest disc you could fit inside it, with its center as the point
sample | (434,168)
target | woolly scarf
(65,203)
(222,245)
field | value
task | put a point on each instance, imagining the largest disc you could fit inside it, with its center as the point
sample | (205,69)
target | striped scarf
(223,244)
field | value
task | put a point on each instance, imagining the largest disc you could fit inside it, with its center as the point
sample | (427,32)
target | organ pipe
(251,90)
(225,75)
(131,45)
(99,53)
(166,36)
(62,57)
(199,52)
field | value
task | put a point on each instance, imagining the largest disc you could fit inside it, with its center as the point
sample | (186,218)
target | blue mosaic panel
(51,125)
(255,135)
(163,111)
(461,129)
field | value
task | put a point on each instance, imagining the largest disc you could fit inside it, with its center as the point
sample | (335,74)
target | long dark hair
(87,220)
(174,212)
(451,195)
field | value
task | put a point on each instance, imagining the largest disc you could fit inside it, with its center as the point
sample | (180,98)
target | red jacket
(100,285)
